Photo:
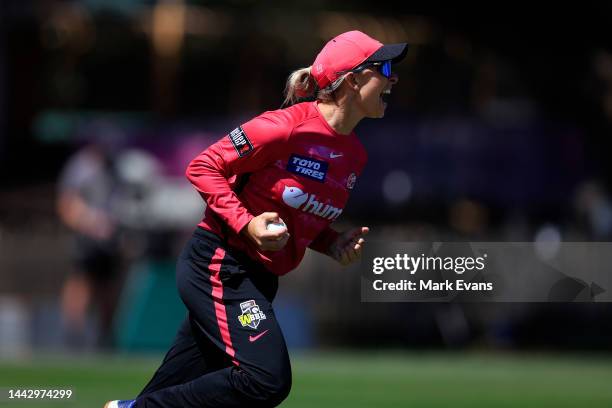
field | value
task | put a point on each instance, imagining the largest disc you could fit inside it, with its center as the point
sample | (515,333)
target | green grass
(359,380)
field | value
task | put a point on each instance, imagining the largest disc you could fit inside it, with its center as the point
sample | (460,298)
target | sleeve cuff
(324,240)
(240,222)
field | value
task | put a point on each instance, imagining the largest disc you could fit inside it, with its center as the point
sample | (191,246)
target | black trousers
(230,351)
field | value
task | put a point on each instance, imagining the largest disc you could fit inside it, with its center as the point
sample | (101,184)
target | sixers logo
(294,197)
(350,181)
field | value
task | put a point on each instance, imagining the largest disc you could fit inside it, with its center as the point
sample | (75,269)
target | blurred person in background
(87,188)
(299,165)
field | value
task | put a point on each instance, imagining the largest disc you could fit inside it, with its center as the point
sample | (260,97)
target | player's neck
(339,118)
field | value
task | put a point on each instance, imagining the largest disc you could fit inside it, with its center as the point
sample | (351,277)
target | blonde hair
(301,86)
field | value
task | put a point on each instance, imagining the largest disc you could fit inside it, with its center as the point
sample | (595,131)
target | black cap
(393,52)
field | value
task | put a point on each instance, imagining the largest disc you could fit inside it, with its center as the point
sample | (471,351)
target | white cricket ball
(276,226)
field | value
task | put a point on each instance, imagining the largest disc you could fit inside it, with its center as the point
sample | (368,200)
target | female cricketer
(272,187)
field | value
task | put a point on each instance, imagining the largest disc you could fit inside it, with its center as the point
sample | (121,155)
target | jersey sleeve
(246,149)
(323,241)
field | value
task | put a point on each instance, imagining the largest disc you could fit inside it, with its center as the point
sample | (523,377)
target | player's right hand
(257,231)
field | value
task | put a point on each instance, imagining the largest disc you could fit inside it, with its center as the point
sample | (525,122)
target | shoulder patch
(241,142)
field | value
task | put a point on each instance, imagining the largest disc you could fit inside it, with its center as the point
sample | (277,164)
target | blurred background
(499,130)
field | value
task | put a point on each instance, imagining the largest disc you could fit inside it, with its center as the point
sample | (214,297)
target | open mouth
(385,95)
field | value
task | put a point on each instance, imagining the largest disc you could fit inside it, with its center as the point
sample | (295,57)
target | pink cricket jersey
(297,166)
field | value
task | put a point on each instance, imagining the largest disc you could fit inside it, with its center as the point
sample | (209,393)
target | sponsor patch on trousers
(241,142)
(307,167)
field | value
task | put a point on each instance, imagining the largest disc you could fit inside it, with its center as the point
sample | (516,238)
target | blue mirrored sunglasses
(383,67)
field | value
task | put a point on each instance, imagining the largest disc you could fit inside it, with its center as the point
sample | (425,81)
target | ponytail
(300,86)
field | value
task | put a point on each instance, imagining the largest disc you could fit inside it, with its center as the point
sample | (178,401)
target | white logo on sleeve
(295,197)
(333,155)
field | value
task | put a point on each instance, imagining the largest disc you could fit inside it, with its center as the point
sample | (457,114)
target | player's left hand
(347,247)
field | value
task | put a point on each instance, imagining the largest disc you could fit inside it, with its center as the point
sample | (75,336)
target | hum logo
(296,198)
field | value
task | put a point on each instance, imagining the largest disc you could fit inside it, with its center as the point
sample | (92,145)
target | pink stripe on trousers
(217,294)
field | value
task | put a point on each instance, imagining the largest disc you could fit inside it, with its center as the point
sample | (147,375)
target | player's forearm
(209,178)
(324,241)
